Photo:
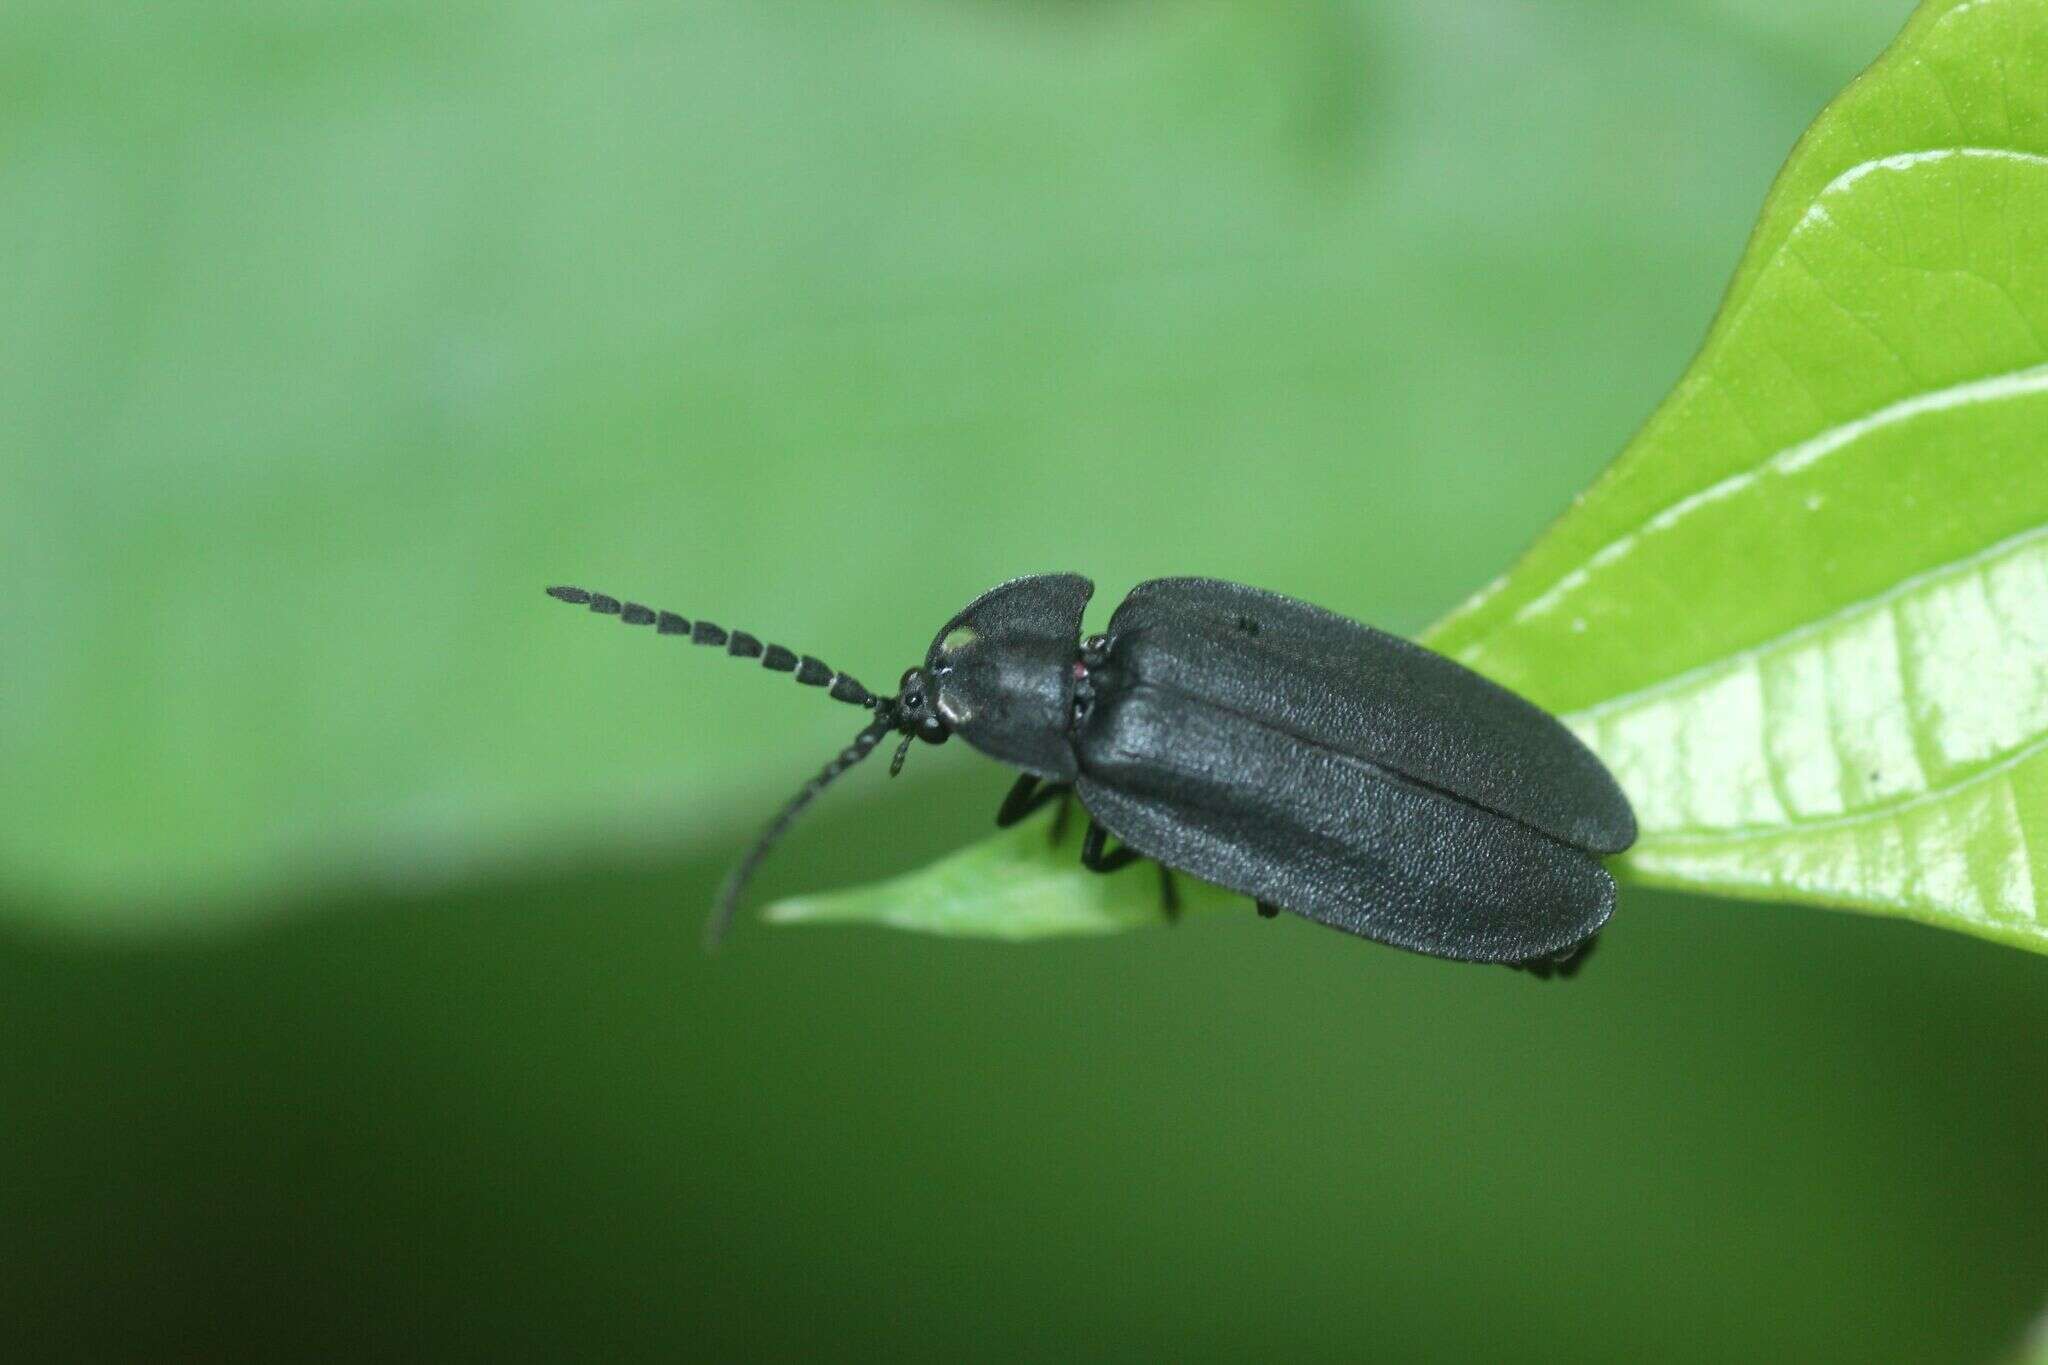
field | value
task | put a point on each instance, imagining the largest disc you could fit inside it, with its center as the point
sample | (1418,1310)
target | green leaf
(1804,617)
(1019,885)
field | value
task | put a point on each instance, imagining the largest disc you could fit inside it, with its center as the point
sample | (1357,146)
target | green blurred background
(348,979)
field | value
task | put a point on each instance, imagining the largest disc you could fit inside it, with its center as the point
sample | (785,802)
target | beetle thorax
(1093,655)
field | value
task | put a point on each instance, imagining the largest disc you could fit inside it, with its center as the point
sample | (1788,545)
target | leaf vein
(1684,836)
(2019,383)
(1796,634)
(1824,442)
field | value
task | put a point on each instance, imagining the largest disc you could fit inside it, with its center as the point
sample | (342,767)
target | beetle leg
(1095,860)
(1569,967)
(1267,910)
(1018,803)
(1564,966)
(1027,796)
(1060,814)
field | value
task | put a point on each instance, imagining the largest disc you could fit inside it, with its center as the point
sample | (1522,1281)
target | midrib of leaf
(1991,388)
(1996,896)
(1678,681)
(1831,141)
(2026,555)
(1737,834)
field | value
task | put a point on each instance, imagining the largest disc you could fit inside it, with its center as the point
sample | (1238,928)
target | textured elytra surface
(1307,671)
(1308,829)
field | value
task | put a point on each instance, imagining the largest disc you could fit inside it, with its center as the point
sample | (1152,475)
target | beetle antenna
(809,671)
(742,871)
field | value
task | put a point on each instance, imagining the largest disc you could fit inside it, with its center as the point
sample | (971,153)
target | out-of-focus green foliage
(331,333)
(1805,616)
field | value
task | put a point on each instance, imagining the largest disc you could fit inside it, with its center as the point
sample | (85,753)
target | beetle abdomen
(1327,835)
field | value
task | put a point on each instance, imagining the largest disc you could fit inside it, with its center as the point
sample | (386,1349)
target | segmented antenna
(743,871)
(809,671)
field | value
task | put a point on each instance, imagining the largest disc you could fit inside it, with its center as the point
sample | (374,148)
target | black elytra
(1262,744)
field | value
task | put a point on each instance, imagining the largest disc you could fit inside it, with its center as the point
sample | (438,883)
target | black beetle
(1260,743)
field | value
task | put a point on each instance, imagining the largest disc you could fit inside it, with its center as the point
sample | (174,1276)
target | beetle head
(1001,673)
(914,712)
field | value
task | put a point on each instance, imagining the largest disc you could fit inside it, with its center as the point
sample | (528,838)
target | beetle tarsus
(1564,966)
(1059,816)
(1020,801)
(1096,856)
(1095,859)
(1026,796)
(1267,910)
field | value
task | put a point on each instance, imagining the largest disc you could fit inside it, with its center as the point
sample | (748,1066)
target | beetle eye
(913,700)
